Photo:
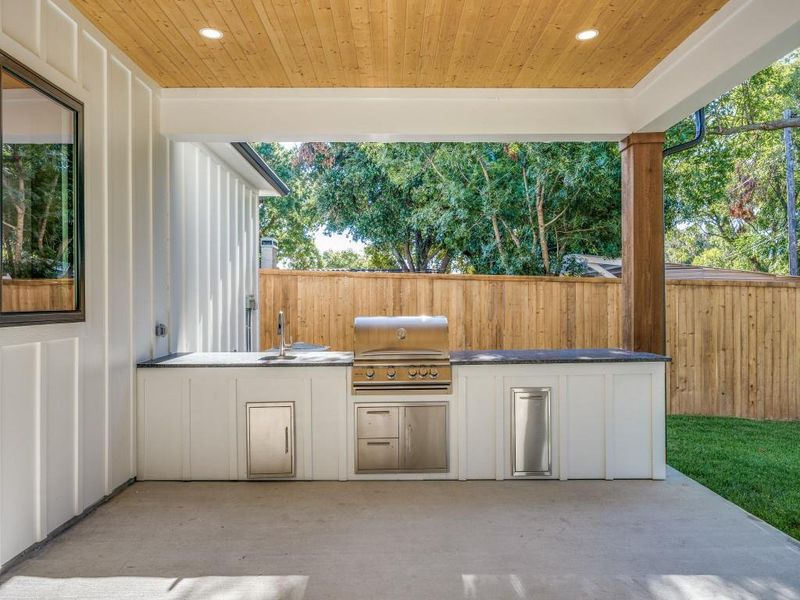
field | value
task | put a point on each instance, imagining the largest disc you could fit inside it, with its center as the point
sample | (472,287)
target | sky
(336,242)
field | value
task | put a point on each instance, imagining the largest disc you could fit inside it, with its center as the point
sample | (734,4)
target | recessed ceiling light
(211,33)
(588,34)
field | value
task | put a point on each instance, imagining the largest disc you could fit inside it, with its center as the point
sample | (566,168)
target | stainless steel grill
(401,355)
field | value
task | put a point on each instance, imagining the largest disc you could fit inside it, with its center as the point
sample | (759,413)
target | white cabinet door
(270,439)
(160,425)
(209,428)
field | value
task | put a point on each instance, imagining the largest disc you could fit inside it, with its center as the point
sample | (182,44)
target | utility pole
(791,210)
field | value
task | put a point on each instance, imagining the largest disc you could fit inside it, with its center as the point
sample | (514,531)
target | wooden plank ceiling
(398,43)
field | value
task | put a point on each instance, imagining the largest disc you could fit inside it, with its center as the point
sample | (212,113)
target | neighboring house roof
(600,266)
(262,168)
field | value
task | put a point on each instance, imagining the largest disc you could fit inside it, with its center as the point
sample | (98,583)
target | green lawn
(755,464)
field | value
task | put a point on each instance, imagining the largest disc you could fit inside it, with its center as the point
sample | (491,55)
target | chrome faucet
(282,345)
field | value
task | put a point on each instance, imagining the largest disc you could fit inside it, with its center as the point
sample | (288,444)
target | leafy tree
(355,194)
(38,210)
(291,219)
(488,208)
(344,259)
(726,198)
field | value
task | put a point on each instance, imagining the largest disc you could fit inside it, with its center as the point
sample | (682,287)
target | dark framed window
(41,200)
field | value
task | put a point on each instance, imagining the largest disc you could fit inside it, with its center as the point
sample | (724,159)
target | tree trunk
(444,265)
(791,209)
(784,123)
(542,226)
(530,208)
(498,238)
(401,263)
(19,240)
(46,216)
(409,257)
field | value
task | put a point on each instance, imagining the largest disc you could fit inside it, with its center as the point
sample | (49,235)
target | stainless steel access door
(424,438)
(270,439)
(531,443)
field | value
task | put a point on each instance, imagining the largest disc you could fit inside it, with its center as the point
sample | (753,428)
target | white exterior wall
(67,432)
(215,252)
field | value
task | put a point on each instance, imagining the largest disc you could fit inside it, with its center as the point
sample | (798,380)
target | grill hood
(401,355)
(401,338)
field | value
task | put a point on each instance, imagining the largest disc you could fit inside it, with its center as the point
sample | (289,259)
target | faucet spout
(282,345)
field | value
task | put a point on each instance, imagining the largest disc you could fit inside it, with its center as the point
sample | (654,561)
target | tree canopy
(487,208)
(726,199)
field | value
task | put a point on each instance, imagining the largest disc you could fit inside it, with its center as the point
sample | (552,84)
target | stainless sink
(276,358)
(303,347)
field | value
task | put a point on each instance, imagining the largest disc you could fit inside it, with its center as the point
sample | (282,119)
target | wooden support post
(643,295)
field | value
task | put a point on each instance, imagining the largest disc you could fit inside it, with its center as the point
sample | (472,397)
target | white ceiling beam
(346,114)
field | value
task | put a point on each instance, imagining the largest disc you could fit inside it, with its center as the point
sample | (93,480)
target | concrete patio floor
(414,540)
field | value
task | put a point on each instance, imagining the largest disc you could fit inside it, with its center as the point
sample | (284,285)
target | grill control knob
(423,371)
(412,372)
(391,373)
(370,373)
(434,373)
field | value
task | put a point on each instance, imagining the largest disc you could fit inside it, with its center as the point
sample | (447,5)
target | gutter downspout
(699,135)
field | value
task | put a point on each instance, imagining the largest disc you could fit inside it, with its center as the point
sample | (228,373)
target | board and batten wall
(67,432)
(66,390)
(735,345)
(214,229)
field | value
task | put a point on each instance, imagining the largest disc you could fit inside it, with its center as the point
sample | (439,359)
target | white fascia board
(742,38)
(232,159)
(347,114)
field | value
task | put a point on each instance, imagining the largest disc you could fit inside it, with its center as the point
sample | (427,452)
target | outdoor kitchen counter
(345,359)
(604,417)
(534,357)
(250,359)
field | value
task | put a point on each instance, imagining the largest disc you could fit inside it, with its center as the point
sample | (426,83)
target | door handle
(377,412)
(378,443)
(286,436)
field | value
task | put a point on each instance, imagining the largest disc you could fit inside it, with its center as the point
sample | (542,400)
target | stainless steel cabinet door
(270,439)
(530,432)
(425,438)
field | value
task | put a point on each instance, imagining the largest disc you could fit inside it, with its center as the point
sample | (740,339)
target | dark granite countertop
(345,359)
(584,355)
(250,359)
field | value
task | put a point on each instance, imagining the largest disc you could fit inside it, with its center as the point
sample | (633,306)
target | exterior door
(425,438)
(270,439)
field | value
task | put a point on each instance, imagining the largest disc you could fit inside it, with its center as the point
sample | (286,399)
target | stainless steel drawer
(377,422)
(377,455)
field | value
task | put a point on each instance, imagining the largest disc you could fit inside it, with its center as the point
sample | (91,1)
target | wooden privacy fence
(734,344)
(25,295)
